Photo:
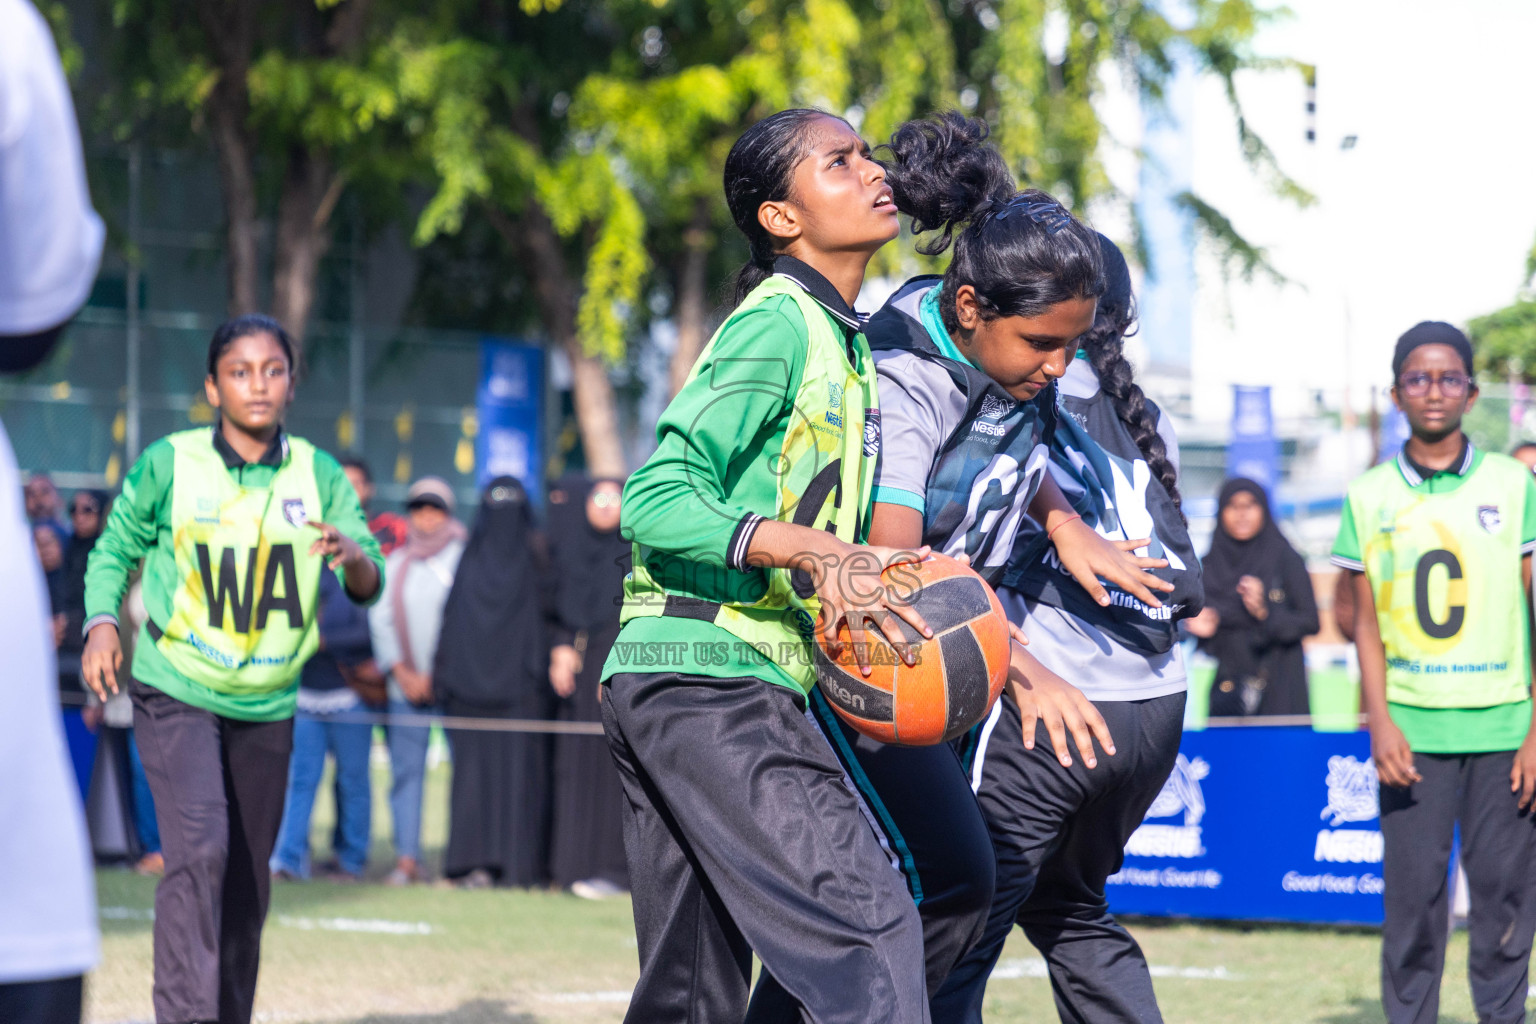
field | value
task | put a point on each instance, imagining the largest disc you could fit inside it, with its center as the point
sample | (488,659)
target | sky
(1429,215)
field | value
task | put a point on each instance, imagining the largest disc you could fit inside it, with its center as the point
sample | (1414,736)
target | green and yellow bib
(1445,571)
(825,478)
(243,613)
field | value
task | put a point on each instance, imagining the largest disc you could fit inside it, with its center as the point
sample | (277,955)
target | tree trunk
(537,244)
(228,29)
(691,309)
(310,192)
(596,413)
(310,187)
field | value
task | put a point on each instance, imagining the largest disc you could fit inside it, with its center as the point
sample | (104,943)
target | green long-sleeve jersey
(720,469)
(246,593)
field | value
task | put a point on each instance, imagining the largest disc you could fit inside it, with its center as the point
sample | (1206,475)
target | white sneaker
(595,889)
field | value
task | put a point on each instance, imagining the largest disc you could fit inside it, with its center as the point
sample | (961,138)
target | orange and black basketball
(959,672)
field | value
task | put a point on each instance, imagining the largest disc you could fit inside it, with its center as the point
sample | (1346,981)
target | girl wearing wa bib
(233,526)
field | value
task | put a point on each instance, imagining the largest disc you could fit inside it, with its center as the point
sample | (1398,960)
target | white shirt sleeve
(381,620)
(48,899)
(50,237)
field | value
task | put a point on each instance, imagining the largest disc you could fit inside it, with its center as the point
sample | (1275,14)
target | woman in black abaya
(1258,607)
(492,663)
(590,561)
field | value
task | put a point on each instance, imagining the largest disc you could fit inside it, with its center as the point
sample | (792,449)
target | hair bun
(944,174)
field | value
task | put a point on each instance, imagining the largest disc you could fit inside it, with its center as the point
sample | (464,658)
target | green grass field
(368,954)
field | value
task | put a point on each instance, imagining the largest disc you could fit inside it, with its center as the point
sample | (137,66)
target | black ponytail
(1104,344)
(760,169)
(1022,251)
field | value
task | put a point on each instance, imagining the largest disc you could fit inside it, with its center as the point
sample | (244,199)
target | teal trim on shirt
(898,496)
(928,309)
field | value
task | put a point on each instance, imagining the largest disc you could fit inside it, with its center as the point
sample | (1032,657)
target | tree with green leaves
(293,97)
(1505,340)
(1034,69)
(669,110)
(589,135)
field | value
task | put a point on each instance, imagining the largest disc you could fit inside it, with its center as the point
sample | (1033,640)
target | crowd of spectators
(494,625)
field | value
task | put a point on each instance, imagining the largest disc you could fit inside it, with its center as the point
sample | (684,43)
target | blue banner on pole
(1272,823)
(510,405)
(1394,433)
(1255,450)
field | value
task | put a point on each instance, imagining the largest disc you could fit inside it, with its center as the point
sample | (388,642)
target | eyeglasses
(1416,385)
(606,499)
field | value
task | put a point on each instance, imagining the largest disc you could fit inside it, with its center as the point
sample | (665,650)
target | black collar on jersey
(276,452)
(898,324)
(820,289)
(1416,474)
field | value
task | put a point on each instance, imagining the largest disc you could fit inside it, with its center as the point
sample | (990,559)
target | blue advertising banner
(510,406)
(1394,433)
(1254,451)
(1274,823)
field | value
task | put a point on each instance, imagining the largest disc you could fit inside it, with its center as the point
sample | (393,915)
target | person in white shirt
(404,626)
(50,247)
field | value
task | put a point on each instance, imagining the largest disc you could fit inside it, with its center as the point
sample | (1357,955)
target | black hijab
(590,563)
(1264,555)
(78,551)
(77,555)
(491,652)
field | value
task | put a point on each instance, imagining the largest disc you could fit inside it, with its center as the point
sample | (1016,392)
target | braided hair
(1104,344)
(1021,251)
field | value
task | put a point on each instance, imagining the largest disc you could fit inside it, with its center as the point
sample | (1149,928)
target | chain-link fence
(413,414)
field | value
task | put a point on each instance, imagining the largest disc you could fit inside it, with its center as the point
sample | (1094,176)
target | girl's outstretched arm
(1089,557)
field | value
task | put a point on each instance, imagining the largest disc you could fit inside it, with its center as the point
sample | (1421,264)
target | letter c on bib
(1456,614)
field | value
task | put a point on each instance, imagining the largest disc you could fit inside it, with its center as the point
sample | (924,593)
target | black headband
(1431,332)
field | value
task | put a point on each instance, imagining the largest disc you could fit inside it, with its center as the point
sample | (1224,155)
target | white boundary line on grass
(1034,967)
(371,926)
(615,996)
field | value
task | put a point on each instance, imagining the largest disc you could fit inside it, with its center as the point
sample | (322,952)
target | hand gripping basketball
(946,683)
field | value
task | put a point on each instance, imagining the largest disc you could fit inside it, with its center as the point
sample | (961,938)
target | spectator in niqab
(1258,606)
(492,663)
(590,560)
(87,516)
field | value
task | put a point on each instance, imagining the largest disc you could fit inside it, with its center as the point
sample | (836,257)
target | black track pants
(1498,850)
(919,802)
(1059,834)
(743,836)
(57,1001)
(219,786)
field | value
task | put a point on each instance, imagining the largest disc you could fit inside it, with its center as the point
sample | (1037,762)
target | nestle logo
(1348,846)
(994,408)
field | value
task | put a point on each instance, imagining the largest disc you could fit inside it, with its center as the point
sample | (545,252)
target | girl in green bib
(1438,542)
(234,525)
(742,833)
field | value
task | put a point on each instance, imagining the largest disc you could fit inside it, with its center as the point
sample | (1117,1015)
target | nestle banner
(510,407)
(1254,451)
(1260,822)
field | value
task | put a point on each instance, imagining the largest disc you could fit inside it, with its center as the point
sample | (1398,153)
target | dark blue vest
(1097,465)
